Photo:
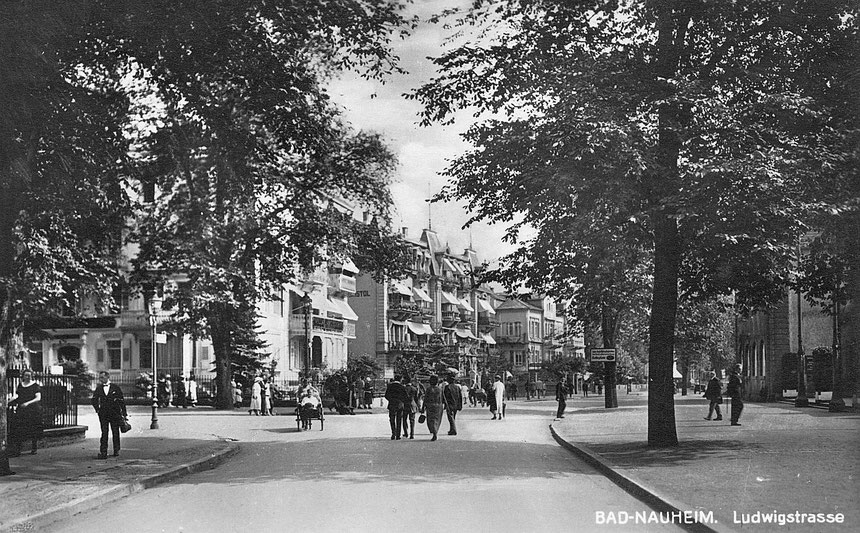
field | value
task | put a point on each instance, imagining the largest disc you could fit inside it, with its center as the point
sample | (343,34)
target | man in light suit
(452,396)
(109,403)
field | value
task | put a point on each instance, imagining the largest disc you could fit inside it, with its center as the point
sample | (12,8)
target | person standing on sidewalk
(26,424)
(452,398)
(191,390)
(561,396)
(735,390)
(397,397)
(109,404)
(714,394)
(256,396)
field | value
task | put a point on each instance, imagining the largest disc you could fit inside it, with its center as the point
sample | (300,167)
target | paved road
(505,476)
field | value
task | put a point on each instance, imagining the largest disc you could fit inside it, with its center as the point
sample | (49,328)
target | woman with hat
(256,397)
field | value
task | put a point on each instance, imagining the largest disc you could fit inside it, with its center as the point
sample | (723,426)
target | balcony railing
(134,319)
(403,346)
(450,316)
(488,321)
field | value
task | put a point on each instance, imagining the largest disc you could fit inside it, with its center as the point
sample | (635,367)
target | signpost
(603,355)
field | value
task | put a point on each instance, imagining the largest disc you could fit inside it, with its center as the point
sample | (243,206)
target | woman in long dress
(28,414)
(499,394)
(256,397)
(432,407)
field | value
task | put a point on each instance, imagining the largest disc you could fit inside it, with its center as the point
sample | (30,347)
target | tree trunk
(664,307)
(609,329)
(223,368)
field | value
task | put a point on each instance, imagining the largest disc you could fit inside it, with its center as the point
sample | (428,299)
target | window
(204,354)
(145,354)
(534,328)
(114,353)
(519,358)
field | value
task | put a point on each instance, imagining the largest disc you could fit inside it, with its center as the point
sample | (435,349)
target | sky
(422,152)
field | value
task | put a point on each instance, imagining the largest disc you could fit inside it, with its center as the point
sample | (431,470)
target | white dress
(256,400)
(499,392)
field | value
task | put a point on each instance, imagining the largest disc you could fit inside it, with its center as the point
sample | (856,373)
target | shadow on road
(639,455)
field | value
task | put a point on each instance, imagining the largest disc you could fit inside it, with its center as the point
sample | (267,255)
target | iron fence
(59,408)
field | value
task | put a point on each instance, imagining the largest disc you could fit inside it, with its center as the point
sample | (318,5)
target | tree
(62,159)
(680,129)
(250,157)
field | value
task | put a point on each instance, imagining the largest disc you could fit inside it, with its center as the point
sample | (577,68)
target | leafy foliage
(683,132)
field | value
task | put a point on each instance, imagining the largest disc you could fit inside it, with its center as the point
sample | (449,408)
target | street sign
(606,355)
(161,338)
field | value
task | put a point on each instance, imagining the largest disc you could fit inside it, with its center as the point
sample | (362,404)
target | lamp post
(154,308)
(306,307)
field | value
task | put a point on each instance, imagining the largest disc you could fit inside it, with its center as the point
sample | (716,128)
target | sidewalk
(781,459)
(66,480)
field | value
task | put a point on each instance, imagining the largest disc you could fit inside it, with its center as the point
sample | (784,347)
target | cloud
(423,152)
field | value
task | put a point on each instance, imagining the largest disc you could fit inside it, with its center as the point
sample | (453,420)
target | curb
(635,488)
(105,496)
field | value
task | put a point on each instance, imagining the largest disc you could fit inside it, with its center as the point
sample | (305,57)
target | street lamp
(154,308)
(306,307)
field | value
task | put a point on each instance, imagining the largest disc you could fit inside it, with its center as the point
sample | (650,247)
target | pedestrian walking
(513,389)
(358,392)
(714,394)
(432,406)
(164,390)
(452,399)
(561,396)
(109,404)
(191,390)
(269,406)
(181,397)
(368,393)
(257,397)
(26,422)
(410,408)
(735,391)
(237,393)
(395,394)
(499,397)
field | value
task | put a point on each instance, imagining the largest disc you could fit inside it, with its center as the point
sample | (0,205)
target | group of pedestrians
(406,399)
(261,397)
(184,393)
(734,389)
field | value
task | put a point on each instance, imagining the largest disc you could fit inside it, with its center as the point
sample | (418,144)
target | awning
(348,266)
(488,338)
(344,309)
(401,288)
(420,294)
(451,266)
(321,303)
(464,334)
(464,303)
(485,307)
(449,298)
(397,322)
(420,329)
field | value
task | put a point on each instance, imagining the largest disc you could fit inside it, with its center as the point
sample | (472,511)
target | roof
(517,304)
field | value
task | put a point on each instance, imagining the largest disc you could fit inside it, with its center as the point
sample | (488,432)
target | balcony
(327,325)
(512,339)
(402,310)
(403,346)
(487,322)
(342,283)
(450,317)
(134,320)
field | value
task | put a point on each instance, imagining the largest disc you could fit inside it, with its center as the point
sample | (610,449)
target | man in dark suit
(452,398)
(561,396)
(109,403)
(397,396)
